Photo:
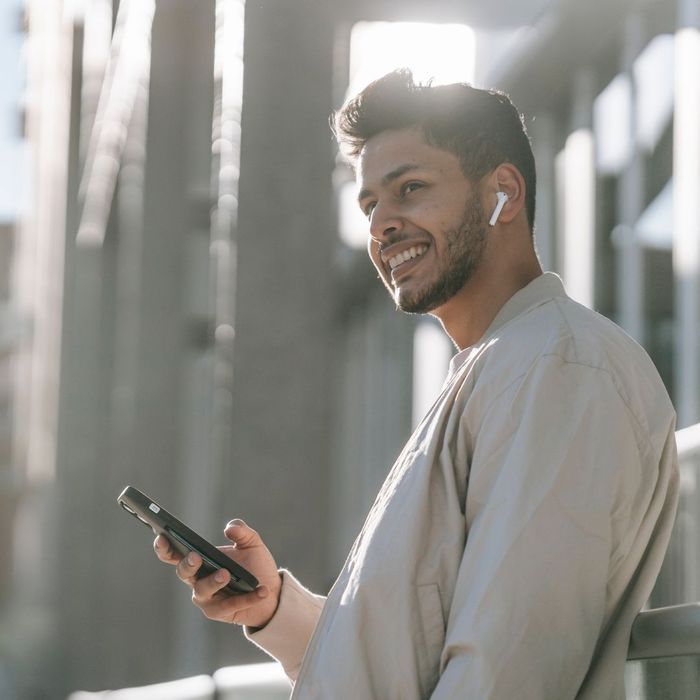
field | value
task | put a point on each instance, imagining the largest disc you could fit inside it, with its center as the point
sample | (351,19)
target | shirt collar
(541,289)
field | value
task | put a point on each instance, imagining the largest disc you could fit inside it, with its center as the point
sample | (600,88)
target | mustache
(391,240)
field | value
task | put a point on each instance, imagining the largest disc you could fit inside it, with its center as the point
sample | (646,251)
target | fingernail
(236,522)
(220,576)
(159,542)
(191,558)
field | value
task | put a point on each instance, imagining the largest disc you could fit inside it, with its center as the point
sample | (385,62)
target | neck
(467,315)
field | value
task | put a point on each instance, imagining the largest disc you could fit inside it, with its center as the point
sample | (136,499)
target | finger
(164,551)
(228,608)
(205,588)
(242,535)
(187,568)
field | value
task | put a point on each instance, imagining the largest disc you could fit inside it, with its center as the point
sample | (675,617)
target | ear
(506,178)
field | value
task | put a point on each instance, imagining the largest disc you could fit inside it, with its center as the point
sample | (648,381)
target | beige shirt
(518,533)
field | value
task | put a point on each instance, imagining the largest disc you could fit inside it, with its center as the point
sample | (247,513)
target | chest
(415,531)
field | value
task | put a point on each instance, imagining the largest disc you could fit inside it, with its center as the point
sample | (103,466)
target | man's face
(427,225)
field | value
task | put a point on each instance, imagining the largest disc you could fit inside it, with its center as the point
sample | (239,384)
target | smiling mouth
(407,255)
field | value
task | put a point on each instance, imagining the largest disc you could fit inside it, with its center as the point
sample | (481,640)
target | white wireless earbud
(502,199)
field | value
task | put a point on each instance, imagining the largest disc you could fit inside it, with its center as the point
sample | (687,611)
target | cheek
(373,252)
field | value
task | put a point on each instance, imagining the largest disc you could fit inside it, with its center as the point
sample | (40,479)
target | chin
(425,299)
(412,305)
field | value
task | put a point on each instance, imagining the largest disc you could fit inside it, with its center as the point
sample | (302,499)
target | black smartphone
(185,540)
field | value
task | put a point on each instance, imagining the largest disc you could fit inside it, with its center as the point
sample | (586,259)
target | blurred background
(186,306)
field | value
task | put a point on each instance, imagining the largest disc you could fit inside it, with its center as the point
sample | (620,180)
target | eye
(367,209)
(409,187)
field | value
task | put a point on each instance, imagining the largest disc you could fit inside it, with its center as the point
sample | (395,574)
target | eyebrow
(390,177)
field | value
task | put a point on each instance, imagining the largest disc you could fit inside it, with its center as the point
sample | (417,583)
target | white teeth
(408,254)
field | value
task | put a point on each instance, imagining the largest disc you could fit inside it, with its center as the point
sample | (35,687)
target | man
(523,525)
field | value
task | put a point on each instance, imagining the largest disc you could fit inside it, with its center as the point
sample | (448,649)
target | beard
(464,248)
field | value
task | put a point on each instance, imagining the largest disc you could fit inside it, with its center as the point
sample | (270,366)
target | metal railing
(675,630)
(266,681)
(664,653)
(666,632)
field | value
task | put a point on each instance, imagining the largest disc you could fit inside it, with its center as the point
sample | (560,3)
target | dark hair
(481,127)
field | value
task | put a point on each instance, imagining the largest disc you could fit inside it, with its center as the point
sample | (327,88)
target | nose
(384,222)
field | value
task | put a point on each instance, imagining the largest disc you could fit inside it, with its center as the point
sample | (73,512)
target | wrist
(275,591)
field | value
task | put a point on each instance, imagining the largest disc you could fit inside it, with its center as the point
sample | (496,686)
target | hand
(253,609)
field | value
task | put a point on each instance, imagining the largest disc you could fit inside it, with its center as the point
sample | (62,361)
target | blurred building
(185,308)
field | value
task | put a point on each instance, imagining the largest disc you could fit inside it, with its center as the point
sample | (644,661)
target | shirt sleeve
(550,459)
(286,636)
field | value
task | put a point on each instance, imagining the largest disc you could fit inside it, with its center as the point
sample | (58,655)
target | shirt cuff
(287,634)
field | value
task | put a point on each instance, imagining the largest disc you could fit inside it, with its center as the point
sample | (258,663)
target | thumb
(241,535)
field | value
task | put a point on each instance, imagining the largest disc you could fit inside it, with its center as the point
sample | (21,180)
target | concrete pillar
(285,281)
(630,255)
(374,407)
(125,397)
(579,193)
(686,224)
(544,145)
(37,298)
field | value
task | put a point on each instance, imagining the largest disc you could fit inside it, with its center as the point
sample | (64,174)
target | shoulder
(595,343)
(562,343)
